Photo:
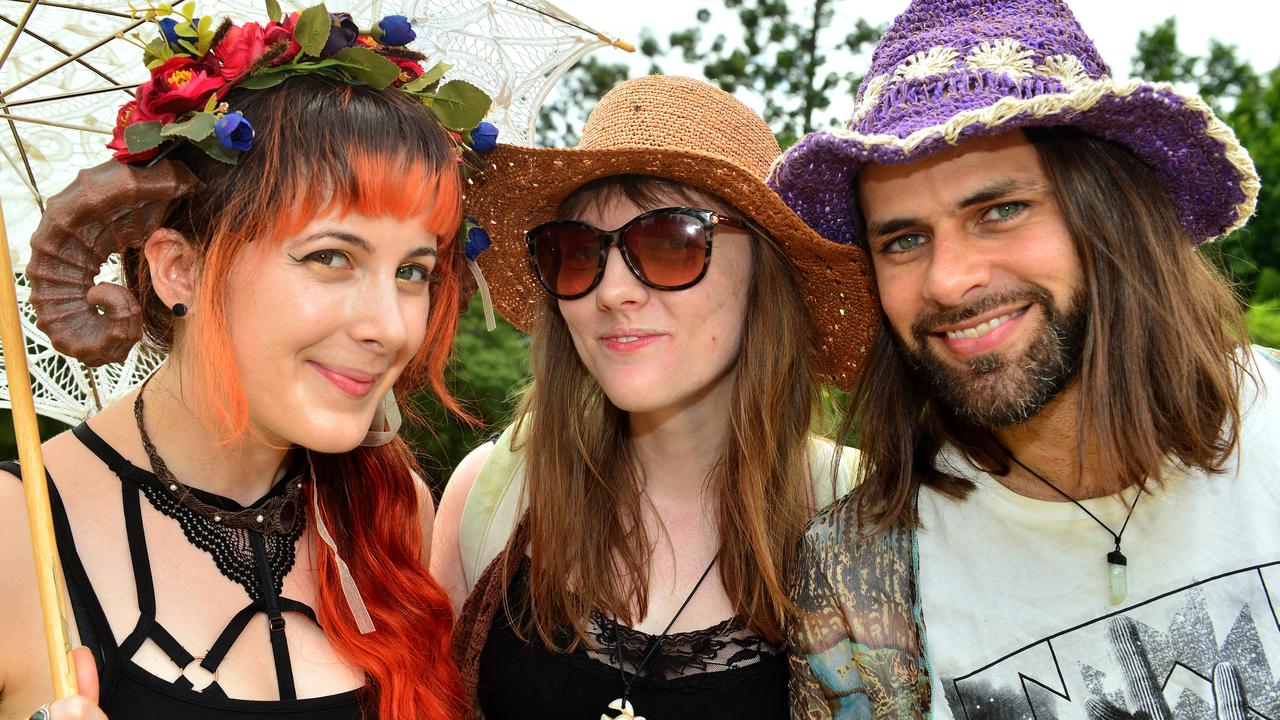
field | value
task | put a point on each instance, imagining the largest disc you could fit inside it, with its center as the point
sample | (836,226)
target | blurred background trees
(789,60)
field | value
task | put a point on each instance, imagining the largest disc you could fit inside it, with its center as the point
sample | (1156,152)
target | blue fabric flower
(342,34)
(234,132)
(477,241)
(168,28)
(396,30)
(484,138)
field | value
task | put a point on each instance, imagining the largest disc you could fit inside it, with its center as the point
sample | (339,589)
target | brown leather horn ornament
(106,209)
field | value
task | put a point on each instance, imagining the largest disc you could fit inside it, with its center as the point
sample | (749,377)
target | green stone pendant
(1119,575)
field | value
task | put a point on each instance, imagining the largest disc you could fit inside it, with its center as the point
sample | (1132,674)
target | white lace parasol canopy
(69,67)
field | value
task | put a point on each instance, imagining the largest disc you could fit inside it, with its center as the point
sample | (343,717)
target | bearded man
(1070,496)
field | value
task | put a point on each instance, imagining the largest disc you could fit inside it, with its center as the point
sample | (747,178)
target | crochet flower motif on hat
(951,70)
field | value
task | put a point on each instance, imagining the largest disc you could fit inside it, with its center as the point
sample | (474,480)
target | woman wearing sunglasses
(624,549)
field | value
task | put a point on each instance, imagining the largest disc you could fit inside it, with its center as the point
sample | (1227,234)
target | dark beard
(997,391)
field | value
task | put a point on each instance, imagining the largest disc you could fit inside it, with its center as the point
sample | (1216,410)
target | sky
(1114,25)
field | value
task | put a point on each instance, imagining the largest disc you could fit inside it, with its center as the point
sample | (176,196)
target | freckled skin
(690,365)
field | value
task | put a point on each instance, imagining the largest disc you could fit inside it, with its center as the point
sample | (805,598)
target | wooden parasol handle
(48,566)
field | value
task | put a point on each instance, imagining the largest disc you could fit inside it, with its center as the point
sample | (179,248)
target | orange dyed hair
(325,147)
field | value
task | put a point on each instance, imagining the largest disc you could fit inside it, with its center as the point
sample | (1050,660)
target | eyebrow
(366,246)
(992,191)
(997,190)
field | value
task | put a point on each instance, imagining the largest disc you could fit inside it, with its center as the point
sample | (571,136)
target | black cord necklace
(1119,576)
(622,705)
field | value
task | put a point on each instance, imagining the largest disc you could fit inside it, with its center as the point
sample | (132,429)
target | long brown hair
(1159,375)
(590,549)
(323,146)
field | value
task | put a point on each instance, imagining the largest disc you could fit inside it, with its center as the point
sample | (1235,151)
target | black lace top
(722,671)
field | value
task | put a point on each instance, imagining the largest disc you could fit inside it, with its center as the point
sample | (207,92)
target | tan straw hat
(702,137)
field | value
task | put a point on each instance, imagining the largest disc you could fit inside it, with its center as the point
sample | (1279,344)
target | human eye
(1004,211)
(335,259)
(585,252)
(677,241)
(417,274)
(903,243)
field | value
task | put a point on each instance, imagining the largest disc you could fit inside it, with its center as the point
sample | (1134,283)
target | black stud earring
(178,310)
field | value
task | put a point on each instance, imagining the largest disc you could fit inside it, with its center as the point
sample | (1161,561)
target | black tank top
(128,692)
(722,671)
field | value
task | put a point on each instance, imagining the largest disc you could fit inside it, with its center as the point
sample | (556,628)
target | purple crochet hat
(951,70)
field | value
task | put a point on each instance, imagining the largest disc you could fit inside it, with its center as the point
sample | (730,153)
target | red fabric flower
(410,69)
(238,49)
(366,41)
(179,85)
(129,115)
(277,31)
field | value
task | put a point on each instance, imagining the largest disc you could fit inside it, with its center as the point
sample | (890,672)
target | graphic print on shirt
(1208,651)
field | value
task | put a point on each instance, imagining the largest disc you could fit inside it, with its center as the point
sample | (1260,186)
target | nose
(378,318)
(618,287)
(958,264)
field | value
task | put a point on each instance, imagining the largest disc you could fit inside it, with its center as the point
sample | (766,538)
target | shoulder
(1266,361)
(832,526)
(464,478)
(833,470)
(845,549)
(447,562)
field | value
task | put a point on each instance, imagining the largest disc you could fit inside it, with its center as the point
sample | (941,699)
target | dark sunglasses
(666,249)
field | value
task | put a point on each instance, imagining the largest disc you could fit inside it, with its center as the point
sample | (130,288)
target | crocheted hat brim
(521,188)
(1209,175)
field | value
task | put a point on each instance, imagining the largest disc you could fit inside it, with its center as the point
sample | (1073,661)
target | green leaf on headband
(156,53)
(368,66)
(460,105)
(205,29)
(141,137)
(312,30)
(215,150)
(197,128)
(273,11)
(428,78)
(262,81)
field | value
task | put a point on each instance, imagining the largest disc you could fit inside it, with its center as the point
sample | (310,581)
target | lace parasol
(68,67)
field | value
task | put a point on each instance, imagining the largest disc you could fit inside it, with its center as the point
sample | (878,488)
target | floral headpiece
(193,66)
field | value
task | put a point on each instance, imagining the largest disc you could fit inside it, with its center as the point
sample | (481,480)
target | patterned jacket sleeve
(855,649)
(812,595)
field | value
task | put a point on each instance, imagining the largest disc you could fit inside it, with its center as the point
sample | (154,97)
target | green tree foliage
(560,122)
(1250,104)
(486,371)
(9,440)
(782,57)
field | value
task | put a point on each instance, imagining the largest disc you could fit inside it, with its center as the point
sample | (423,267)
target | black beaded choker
(221,527)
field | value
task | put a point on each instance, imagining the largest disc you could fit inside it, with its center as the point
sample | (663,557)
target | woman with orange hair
(244,536)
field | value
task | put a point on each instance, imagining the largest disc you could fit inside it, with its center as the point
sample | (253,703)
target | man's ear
(173,263)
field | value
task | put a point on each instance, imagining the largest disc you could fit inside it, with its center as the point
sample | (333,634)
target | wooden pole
(48,566)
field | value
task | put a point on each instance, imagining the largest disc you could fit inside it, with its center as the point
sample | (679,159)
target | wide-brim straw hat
(948,71)
(697,135)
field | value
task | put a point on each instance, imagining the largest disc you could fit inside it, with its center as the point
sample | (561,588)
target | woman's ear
(172,262)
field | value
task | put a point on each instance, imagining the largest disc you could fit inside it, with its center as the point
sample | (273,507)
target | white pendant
(625,711)
(1118,580)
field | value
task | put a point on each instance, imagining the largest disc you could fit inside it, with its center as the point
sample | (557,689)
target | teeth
(627,339)
(982,329)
